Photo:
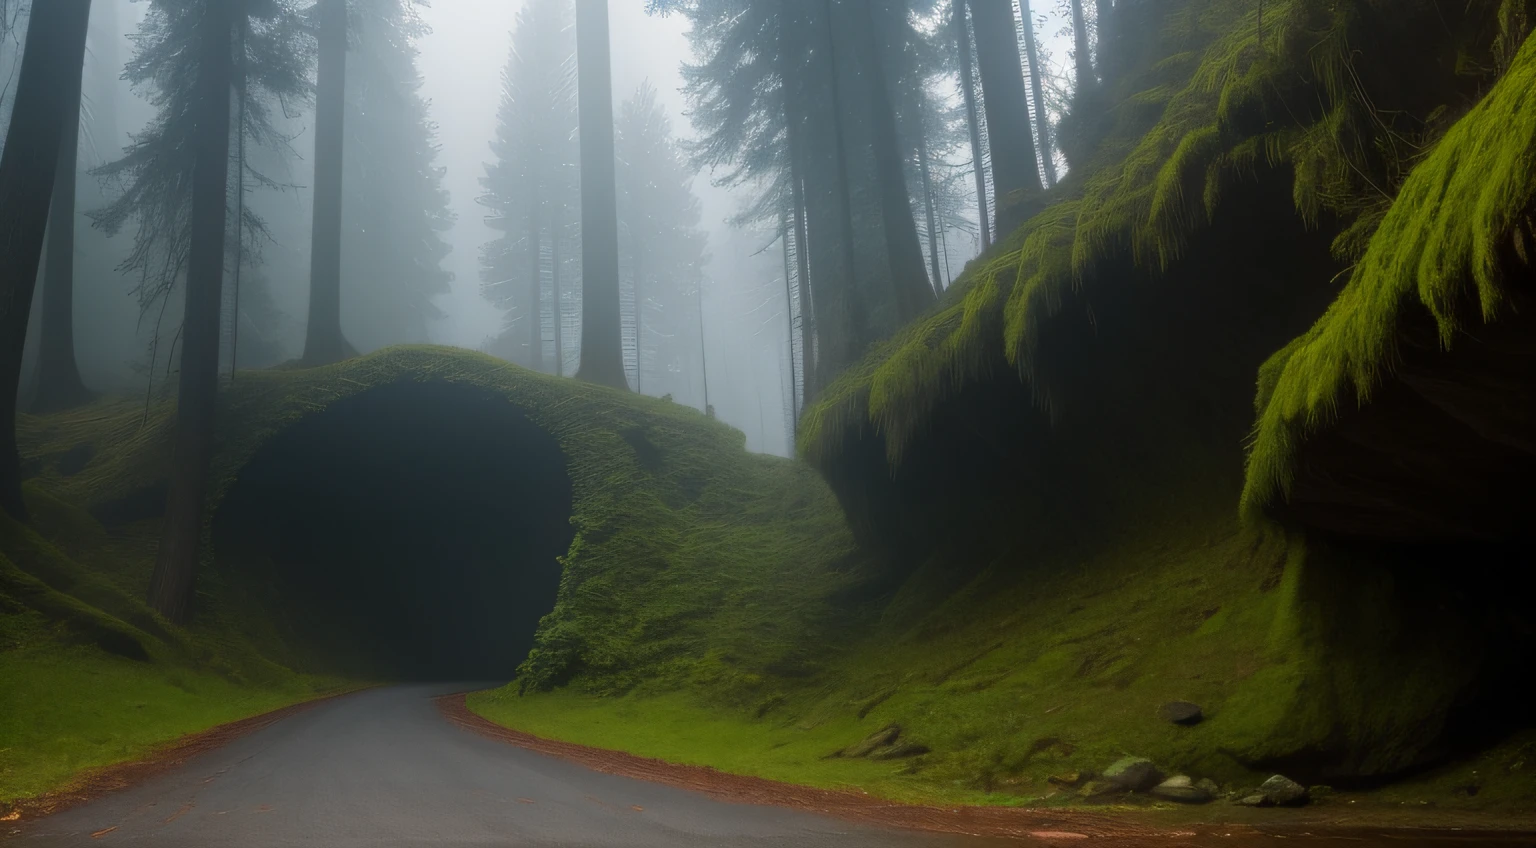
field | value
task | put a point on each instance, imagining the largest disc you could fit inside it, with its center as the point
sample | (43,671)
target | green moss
(1461,216)
(1228,96)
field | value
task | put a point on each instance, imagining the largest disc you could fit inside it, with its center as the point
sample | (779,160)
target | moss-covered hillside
(1051,465)
(684,558)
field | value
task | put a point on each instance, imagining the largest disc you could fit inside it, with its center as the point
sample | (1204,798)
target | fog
(462,50)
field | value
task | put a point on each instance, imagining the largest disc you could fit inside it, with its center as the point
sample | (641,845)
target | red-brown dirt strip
(97,782)
(1053,826)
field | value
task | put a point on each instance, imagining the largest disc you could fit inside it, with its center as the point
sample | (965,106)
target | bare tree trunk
(1042,119)
(170,589)
(789,317)
(639,318)
(842,348)
(1082,59)
(1015,170)
(58,380)
(1104,45)
(803,287)
(972,120)
(602,331)
(535,287)
(554,294)
(323,342)
(903,249)
(933,223)
(54,51)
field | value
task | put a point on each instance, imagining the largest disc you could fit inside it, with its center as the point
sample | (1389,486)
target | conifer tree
(46,101)
(660,245)
(394,209)
(531,186)
(191,55)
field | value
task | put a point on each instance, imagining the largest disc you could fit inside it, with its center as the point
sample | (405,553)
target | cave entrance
(410,532)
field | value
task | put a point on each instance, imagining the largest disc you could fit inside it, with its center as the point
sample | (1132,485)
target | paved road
(383,768)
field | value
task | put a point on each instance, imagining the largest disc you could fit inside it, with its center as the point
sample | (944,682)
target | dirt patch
(105,780)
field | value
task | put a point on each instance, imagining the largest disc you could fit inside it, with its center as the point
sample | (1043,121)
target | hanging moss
(1231,93)
(1444,246)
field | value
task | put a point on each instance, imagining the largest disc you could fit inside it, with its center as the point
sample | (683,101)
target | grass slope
(693,562)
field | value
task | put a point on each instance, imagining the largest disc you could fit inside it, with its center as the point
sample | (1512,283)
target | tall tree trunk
(789,316)
(1082,58)
(791,85)
(323,341)
(1042,119)
(933,222)
(54,52)
(803,288)
(1009,137)
(1104,46)
(704,352)
(904,251)
(554,295)
(602,331)
(841,346)
(58,380)
(535,288)
(638,273)
(170,589)
(972,120)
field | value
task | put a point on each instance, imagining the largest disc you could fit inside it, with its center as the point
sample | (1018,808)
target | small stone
(881,738)
(1137,774)
(1208,785)
(1284,792)
(1181,712)
(1255,800)
(1179,788)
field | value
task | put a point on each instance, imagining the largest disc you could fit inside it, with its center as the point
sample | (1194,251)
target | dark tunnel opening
(408,532)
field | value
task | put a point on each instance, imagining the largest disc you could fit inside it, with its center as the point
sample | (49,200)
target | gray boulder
(1284,792)
(1137,774)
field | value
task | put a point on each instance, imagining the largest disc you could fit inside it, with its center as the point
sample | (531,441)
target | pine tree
(394,209)
(47,99)
(532,186)
(659,242)
(190,56)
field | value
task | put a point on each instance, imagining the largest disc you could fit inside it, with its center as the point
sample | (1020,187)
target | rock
(1181,712)
(1137,774)
(900,750)
(1180,788)
(1208,785)
(1254,800)
(884,737)
(1071,779)
(1284,792)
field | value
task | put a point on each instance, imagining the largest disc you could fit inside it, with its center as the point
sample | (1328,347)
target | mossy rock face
(1407,411)
(686,555)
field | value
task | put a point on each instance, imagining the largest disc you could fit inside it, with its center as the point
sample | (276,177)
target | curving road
(383,768)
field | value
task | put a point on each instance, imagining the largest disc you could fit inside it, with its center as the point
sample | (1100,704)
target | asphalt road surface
(384,768)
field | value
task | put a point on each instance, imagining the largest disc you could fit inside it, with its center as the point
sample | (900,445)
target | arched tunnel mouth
(409,532)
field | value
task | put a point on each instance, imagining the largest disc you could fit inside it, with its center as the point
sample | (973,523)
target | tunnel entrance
(408,532)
